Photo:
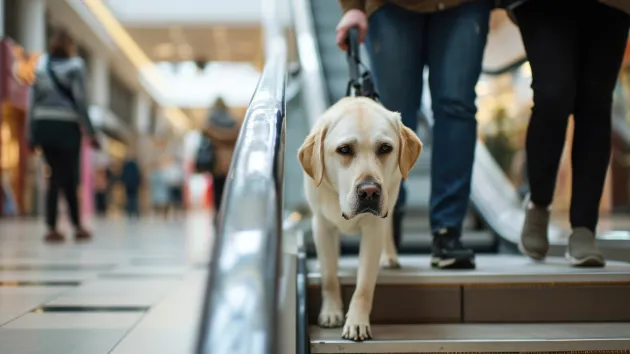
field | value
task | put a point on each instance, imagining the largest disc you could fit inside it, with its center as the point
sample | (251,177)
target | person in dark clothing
(131,178)
(575,50)
(57,113)
(102,185)
(222,129)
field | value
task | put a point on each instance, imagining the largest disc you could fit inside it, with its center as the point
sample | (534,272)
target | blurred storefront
(16,73)
(23,174)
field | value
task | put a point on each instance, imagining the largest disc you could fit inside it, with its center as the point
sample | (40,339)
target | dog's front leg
(389,256)
(326,238)
(357,325)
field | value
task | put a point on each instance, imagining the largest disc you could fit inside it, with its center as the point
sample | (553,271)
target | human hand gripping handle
(351,19)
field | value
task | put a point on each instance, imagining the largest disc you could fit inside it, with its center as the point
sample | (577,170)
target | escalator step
(480,338)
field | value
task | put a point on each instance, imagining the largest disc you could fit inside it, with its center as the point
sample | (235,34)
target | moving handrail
(240,310)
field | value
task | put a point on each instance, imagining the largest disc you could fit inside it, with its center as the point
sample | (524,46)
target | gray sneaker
(582,250)
(534,237)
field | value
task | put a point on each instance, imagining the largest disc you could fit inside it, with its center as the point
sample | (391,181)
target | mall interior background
(149,87)
(155,71)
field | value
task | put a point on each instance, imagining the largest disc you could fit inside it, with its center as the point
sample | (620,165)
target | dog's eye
(344,150)
(385,149)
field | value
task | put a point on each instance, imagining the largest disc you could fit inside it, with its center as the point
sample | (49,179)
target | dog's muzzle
(368,198)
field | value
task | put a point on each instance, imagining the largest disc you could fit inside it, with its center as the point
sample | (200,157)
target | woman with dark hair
(57,114)
(575,49)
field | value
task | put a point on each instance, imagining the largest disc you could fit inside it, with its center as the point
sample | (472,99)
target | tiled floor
(137,288)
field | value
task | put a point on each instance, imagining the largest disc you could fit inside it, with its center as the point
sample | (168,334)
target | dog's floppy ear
(410,148)
(311,155)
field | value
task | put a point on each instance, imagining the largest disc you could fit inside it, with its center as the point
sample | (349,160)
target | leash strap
(360,83)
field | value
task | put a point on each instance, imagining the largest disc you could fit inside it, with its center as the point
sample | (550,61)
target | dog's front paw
(330,317)
(357,327)
(388,262)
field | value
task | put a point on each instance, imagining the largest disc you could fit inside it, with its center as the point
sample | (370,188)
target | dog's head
(361,150)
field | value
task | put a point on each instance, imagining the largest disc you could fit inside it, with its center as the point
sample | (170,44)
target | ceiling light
(148,73)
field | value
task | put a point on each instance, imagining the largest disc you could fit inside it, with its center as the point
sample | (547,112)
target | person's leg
(136,204)
(456,43)
(549,33)
(600,56)
(100,203)
(70,190)
(130,202)
(127,202)
(54,159)
(394,44)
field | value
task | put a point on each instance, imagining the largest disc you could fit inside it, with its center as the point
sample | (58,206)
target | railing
(240,310)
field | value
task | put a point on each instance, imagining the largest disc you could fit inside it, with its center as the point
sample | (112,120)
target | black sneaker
(449,253)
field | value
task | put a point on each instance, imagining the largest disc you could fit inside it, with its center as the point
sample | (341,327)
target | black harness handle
(359,84)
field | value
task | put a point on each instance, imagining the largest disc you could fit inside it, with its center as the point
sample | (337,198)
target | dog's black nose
(369,191)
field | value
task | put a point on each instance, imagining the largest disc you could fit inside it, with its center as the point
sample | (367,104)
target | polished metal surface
(483,338)
(491,269)
(240,314)
(310,61)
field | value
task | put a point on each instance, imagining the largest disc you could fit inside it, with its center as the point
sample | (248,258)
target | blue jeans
(451,43)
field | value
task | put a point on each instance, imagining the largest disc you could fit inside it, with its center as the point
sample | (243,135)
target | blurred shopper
(131,178)
(174,178)
(57,114)
(449,36)
(103,187)
(575,49)
(159,190)
(222,130)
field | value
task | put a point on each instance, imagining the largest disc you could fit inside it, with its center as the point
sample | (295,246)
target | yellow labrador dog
(355,158)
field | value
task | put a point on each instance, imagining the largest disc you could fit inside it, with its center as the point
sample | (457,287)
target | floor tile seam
(129,331)
(47,300)
(144,315)
(60,295)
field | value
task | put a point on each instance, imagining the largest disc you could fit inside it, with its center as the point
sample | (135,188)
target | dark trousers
(100,201)
(575,49)
(451,43)
(64,177)
(132,202)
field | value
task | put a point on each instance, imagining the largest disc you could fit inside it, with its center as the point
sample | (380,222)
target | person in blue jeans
(449,37)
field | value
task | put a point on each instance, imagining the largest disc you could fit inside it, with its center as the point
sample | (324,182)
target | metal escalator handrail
(240,309)
(312,70)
